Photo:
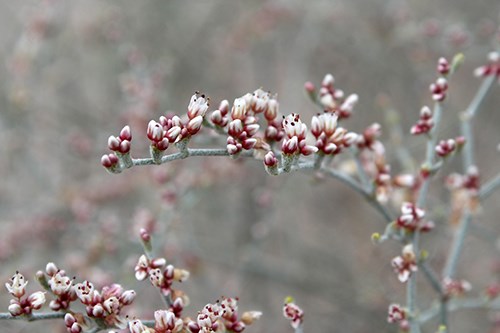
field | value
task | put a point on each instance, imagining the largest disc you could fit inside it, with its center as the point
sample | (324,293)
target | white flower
(17,285)
(36,300)
(60,284)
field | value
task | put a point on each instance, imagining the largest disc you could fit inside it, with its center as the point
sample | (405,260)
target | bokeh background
(74,72)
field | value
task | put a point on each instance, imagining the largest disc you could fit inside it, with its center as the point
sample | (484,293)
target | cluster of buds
(455,287)
(242,127)
(295,140)
(382,180)
(166,321)
(464,193)
(445,147)
(74,323)
(332,99)
(469,182)
(21,305)
(60,285)
(412,218)
(243,121)
(425,122)
(439,89)
(106,304)
(222,314)
(492,68)
(161,276)
(369,139)
(220,117)
(397,315)
(171,129)
(293,312)
(120,145)
(330,139)
(405,264)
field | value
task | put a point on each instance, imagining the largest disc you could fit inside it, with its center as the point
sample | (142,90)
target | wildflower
(294,313)
(405,264)
(17,285)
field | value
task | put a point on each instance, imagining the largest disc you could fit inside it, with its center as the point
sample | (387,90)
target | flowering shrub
(252,127)
(78,71)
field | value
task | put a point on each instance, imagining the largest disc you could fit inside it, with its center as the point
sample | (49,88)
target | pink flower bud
(443,66)
(124,147)
(239,109)
(290,146)
(328,80)
(308,150)
(309,87)
(51,269)
(272,110)
(75,328)
(109,160)
(252,129)
(113,143)
(248,143)
(270,159)
(224,107)
(69,319)
(235,127)
(15,309)
(126,134)
(97,311)
(194,124)
(127,297)
(173,133)
(155,131)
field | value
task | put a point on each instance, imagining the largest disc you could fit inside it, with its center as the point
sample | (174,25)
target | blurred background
(73,73)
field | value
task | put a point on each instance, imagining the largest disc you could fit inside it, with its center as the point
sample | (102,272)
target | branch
(34,316)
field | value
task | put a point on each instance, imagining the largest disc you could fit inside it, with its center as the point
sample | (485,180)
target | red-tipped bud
(270,159)
(109,160)
(443,66)
(126,134)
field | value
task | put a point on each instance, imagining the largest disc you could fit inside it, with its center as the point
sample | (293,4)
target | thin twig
(34,316)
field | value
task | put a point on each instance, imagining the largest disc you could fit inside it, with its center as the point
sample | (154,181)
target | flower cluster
(397,315)
(464,190)
(159,275)
(293,312)
(405,264)
(105,304)
(330,139)
(492,68)
(61,287)
(222,314)
(172,129)
(455,287)
(446,147)
(166,321)
(21,305)
(121,144)
(425,122)
(295,140)
(333,100)
(242,127)
(469,182)
(412,218)
(439,89)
